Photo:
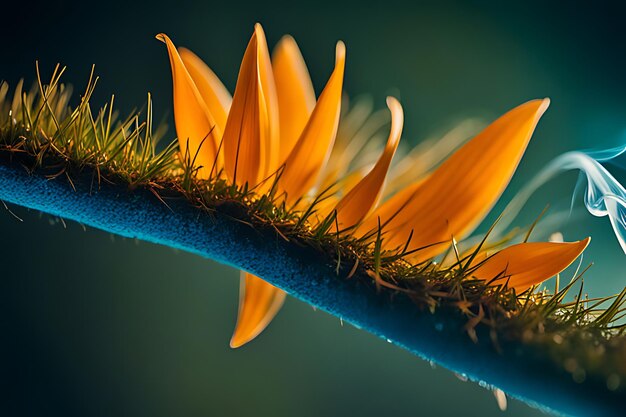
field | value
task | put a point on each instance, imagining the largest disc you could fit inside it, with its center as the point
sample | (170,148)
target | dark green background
(100,326)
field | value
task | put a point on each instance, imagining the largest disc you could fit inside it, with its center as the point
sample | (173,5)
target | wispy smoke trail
(604,195)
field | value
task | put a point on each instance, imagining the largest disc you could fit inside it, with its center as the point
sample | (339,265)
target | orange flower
(274,123)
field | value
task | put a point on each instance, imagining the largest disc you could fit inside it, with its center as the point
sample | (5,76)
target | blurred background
(95,325)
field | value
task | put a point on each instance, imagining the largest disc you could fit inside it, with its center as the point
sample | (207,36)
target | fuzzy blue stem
(311,276)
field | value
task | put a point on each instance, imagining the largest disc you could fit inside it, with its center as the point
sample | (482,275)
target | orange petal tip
(258,304)
(258,30)
(236,342)
(542,105)
(585,242)
(340,51)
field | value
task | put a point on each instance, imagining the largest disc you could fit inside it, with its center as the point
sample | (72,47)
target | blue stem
(310,275)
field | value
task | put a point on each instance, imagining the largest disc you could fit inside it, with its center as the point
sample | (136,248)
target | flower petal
(268,87)
(195,125)
(296,97)
(388,209)
(355,205)
(333,194)
(250,138)
(455,198)
(428,155)
(215,95)
(258,304)
(527,264)
(310,153)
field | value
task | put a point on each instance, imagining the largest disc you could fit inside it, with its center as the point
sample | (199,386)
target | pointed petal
(455,198)
(355,205)
(250,138)
(195,126)
(296,97)
(326,205)
(215,95)
(258,304)
(428,155)
(268,87)
(310,153)
(388,209)
(527,264)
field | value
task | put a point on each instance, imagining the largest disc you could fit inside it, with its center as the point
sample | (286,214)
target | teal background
(102,326)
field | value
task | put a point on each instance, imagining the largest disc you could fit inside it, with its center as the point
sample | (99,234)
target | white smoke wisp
(604,195)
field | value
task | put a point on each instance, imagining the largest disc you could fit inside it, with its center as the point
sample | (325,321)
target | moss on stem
(563,356)
(227,234)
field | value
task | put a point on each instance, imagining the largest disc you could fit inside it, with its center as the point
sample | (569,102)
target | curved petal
(455,198)
(215,95)
(310,153)
(527,264)
(258,304)
(355,205)
(428,155)
(389,209)
(250,138)
(296,97)
(195,125)
(333,194)
(268,87)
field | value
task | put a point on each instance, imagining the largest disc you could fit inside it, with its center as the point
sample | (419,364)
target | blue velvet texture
(311,276)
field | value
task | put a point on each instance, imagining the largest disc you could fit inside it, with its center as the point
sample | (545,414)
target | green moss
(40,130)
